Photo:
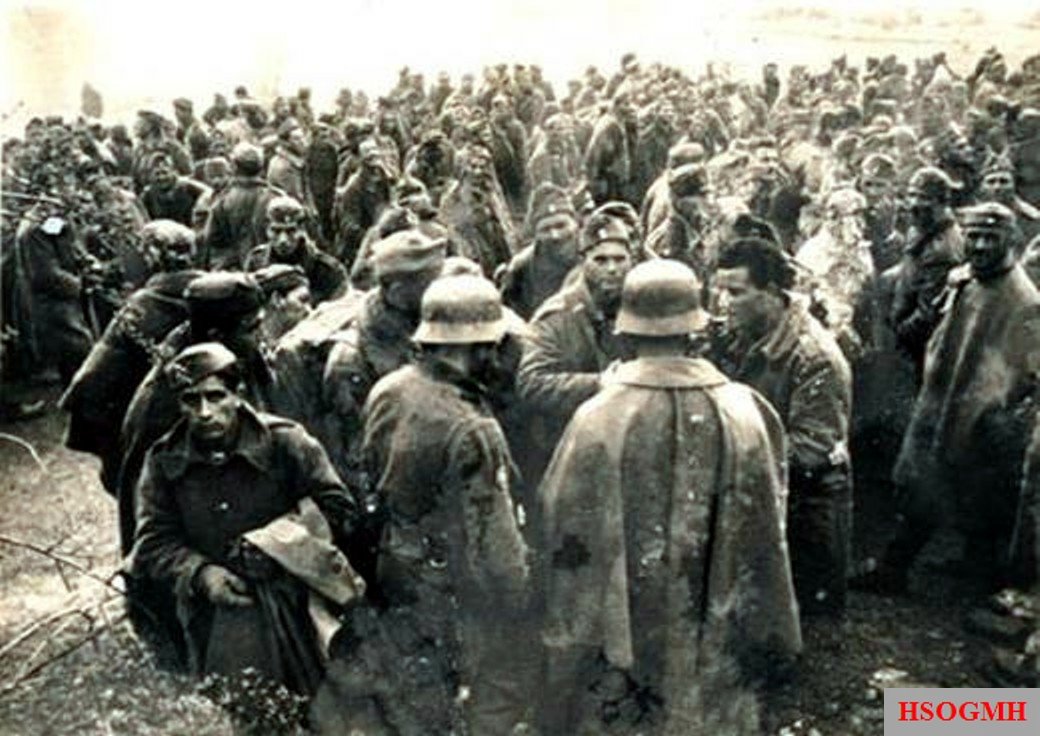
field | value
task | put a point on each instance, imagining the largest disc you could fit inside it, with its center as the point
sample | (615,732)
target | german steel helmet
(660,298)
(458,310)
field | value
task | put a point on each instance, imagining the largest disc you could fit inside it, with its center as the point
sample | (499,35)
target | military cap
(183,103)
(406,251)
(685,153)
(933,183)
(878,166)
(151,116)
(247,158)
(688,180)
(285,210)
(604,227)
(986,217)
(461,310)
(547,200)
(280,278)
(660,298)
(224,298)
(198,362)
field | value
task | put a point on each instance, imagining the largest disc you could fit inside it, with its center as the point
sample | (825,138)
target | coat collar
(177,453)
(668,372)
(579,299)
(784,337)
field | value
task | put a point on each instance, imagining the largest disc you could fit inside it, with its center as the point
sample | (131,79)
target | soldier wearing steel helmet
(452,568)
(671,477)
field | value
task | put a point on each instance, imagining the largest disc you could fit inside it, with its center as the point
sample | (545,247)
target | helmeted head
(461,310)
(661,298)
(988,230)
(206,378)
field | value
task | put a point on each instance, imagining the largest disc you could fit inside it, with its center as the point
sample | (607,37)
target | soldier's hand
(223,588)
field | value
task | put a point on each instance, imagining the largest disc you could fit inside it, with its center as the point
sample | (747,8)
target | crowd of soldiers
(489,409)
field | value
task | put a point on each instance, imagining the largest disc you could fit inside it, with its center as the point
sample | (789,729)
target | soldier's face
(744,307)
(605,268)
(246,339)
(557,232)
(999,187)
(405,292)
(211,409)
(988,251)
(178,256)
(923,207)
(298,141)
(295,305)
(285,238)
(875,190)
(219,181)
(163,175)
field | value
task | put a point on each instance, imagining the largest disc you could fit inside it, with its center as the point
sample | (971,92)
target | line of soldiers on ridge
(492,410)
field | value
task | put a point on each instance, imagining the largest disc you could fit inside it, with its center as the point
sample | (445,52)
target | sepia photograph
(519,368)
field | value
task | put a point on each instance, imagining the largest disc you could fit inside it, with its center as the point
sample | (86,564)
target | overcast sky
(141,53)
